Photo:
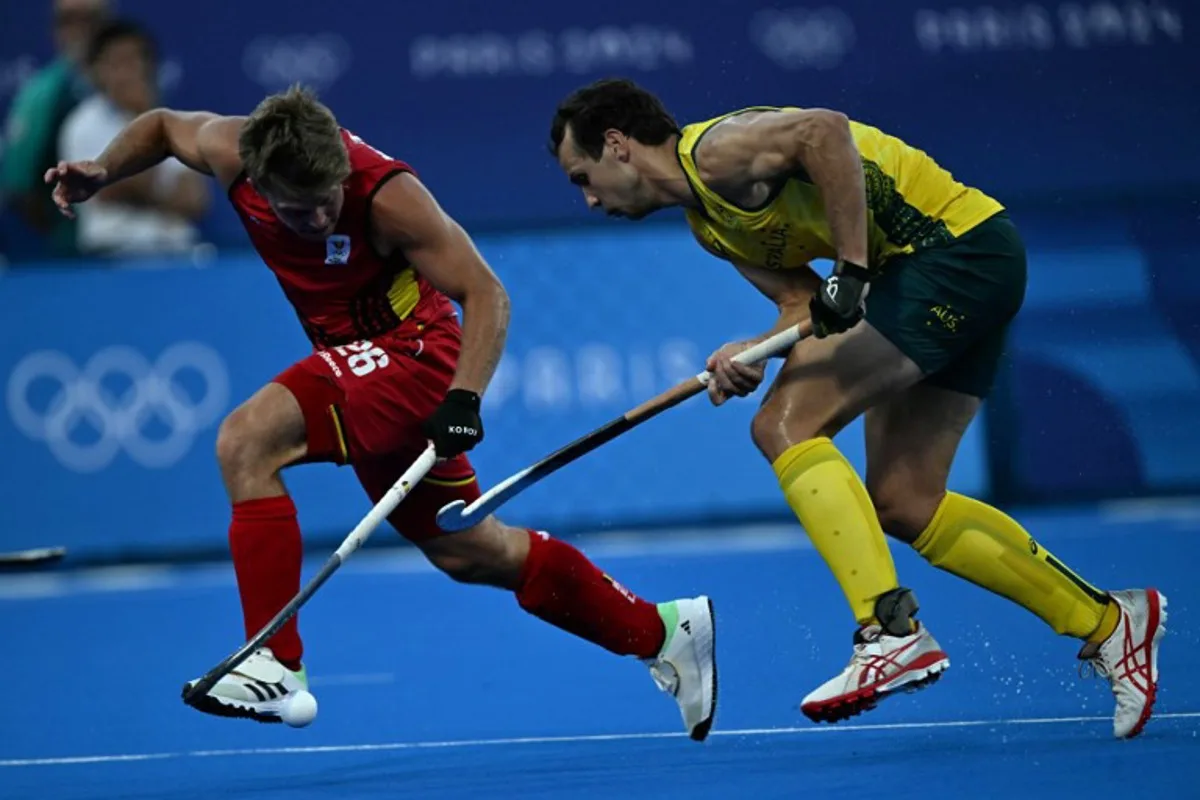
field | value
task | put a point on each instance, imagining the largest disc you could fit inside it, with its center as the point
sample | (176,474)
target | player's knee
(471,567)
(236,447)
(904,512)
(261,436)
(463,567)
(766,431)
(491,554)
(776,427)
(245,449)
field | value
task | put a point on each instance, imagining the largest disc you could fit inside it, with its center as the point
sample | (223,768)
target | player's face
(310,215)
(610,183)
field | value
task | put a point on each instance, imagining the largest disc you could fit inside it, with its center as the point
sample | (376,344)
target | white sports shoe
(881,665)
(686,667)
(255,690)
(1129,658)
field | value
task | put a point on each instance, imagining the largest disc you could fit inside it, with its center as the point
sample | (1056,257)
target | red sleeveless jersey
(342,290)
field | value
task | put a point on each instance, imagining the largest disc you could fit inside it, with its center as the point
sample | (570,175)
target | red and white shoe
(882,664)
(1129,658)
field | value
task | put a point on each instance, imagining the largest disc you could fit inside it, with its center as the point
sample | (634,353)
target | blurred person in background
(37,113)
(156,211)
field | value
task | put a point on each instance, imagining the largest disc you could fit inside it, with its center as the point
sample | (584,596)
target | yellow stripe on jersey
(340,429)
(404,293)
(912,203)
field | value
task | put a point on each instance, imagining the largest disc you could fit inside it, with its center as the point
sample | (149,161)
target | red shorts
(364,403)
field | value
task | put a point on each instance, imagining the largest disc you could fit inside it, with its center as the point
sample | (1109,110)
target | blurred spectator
(153,212)
(35,118)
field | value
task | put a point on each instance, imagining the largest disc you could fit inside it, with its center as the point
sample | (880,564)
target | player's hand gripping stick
(457,516)
(386,505)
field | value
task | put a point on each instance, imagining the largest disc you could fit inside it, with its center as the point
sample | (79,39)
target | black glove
(455,426)
(838,306)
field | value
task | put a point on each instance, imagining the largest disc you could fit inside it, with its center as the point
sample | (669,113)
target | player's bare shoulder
(217,143)
(738,157)
(404,214)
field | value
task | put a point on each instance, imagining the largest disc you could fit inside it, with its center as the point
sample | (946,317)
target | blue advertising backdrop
(110,422)
(113,419)
(1074,113)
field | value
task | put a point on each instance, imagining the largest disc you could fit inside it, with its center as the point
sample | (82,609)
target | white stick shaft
(387,504)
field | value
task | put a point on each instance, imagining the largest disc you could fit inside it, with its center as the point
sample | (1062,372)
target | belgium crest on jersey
(337,249)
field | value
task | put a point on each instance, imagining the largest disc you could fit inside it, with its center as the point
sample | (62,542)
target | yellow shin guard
(990,549)
(832,504)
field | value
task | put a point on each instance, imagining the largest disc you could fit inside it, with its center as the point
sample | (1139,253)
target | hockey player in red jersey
(371,262)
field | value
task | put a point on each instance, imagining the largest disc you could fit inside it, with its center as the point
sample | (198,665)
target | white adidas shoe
(881,664)
(686,667)
(1129,658)
(257,689)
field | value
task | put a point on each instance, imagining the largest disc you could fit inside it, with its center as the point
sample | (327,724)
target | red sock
(264,538)
(560,586)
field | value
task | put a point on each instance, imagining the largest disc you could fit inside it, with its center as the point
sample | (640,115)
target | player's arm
(203,141)
(406,218)
(199,139)
(817,142)
(791,290)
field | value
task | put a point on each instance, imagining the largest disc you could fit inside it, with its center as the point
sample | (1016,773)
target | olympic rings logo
(150,396)
(803,38)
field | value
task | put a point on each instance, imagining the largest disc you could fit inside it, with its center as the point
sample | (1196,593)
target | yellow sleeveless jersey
(912,203)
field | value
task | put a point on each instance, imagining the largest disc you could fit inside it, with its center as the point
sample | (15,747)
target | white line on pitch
(604,737)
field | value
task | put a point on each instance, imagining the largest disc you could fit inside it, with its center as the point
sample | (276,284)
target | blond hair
(292,142)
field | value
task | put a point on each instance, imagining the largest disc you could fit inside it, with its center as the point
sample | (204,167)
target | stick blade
(37,557)
(453,518)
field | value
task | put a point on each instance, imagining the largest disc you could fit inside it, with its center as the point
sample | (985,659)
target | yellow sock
(990,549)
(833,506)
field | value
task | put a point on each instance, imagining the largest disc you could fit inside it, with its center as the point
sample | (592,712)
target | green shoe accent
(669,612)
(301,675)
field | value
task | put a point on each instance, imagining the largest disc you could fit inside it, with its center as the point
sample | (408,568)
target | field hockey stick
(37,557)
(457,515)
(386,505)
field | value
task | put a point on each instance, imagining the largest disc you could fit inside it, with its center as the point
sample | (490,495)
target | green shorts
(948,308)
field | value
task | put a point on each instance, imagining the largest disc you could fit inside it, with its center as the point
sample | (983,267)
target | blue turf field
(430,689)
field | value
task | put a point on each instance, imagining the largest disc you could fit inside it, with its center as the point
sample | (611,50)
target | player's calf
(556,583)
(490,554)
(255,441)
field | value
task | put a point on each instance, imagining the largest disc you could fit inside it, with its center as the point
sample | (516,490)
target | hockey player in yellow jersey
(908,325)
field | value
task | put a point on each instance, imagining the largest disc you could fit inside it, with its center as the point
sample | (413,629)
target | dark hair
(611,103)
(292,141)
(116,30)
